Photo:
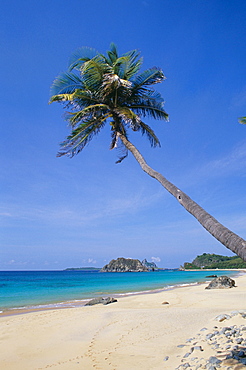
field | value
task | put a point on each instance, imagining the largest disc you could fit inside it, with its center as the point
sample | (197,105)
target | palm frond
(146,130)
(66,83)
(94,111)
(129,117)
(112,53)
(242,120)
(153,97)
(93,71)
(156,112)
(62,98)
(80,56)
(134,63)
(126,115)
(148,77)
(81,136)
(116,143)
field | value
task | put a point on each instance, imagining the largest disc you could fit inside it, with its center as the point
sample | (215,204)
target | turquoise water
(32,289)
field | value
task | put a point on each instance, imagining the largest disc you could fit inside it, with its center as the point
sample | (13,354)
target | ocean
(29,290)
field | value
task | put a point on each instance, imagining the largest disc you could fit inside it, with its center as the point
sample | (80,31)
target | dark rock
(197,348)
(102,300)
(94,301)
(213,276)
(109,300)
(165,302)
(222,282)
(239,340)
(124,265)
(214,360)
(209,336)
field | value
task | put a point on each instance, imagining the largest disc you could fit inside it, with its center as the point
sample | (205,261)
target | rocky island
(124,265)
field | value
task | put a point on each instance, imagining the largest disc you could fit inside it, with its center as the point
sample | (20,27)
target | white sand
(137,332)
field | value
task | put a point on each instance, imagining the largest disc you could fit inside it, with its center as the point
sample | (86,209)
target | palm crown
(99,88)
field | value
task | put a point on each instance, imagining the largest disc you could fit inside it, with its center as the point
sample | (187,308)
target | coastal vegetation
(242,120)
(215,261)
(110,88)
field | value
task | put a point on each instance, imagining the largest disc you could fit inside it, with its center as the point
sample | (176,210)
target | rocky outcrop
(224,346)
(151,266)
(124,265)
(222,282)
(102,300)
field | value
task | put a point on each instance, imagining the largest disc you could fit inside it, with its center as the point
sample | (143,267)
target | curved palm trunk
(229,239)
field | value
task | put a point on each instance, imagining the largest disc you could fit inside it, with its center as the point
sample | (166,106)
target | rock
(124,265)
(222,282)
(109,300)
(213,276)
(151,266)
(189,340)
(102,300)
(223,317)
(165,302)
(194,358)
(209,336)
(94,301)
(166,358)
(239,340)
(197,348)
(214,360)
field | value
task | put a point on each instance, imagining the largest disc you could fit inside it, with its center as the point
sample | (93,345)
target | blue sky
(61,212)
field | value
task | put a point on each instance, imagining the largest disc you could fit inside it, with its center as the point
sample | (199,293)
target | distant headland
(214,261)
(204,261)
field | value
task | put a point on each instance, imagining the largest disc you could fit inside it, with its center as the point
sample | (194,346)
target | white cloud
(233,161)
(91,260)
(71,214)
(155,259)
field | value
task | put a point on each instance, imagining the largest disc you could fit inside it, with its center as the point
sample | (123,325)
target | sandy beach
(136,332)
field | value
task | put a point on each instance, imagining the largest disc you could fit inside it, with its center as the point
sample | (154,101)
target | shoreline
(11,311)
(139,331)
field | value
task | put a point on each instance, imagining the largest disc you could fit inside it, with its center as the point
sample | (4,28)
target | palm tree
(109,88)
